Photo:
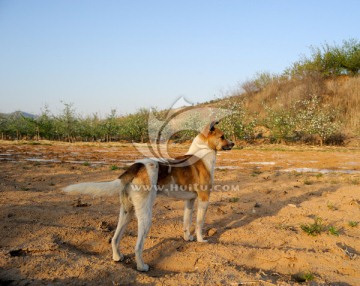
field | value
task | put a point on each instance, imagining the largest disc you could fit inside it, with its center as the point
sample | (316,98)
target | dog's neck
(201,149)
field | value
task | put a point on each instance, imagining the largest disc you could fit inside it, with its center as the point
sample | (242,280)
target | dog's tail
(96,188)
(117,186)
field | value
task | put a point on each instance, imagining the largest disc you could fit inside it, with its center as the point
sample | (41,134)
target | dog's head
(215,138)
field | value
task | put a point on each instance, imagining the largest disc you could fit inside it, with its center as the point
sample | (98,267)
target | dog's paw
(143,268)
(188,238)
(118,257)
(202,240)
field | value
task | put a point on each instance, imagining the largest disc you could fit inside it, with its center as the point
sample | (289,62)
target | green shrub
(313,229)
(329,60)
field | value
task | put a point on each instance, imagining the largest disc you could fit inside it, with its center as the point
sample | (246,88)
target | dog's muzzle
(228,146)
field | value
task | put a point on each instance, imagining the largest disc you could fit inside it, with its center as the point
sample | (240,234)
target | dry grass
(341,94)
(344,95)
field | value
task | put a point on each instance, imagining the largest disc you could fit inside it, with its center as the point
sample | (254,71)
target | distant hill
(19,113)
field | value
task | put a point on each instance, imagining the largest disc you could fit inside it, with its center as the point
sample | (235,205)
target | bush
(305,120)
(259,82)
(329,61)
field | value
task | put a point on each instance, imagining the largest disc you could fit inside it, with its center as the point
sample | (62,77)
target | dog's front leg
(201,211)
(188,210)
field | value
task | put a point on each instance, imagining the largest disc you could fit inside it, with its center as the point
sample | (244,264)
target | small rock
(104,226)
(257,205)
(79,204)
(18,252)
(211,231)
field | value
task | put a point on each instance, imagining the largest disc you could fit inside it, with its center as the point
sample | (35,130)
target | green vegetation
(70,127)
(313,229)
(331,206)
(308,182)
(314,101)
(333,230)
(317,227)
(303,277)
(234,200)
(353,223)
(329,60)
(256,172)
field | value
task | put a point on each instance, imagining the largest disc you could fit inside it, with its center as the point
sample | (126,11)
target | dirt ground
(267,201)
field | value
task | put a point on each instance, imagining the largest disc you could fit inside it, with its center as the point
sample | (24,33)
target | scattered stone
(211,231)
(257,205)
(348,251)
(105,226)
(79,204)
(355,202)
(17,252)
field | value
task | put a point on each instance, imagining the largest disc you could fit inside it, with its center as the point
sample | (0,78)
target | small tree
(4,126)
(67,123)
(134,126)
(351,56)
(45,123)
(91,128)
(111,126)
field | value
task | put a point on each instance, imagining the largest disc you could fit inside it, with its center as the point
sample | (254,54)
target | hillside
(286,108)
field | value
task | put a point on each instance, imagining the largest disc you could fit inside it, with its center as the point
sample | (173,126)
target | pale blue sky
(123,55)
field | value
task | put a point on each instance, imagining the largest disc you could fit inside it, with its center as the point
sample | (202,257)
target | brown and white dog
(187,177)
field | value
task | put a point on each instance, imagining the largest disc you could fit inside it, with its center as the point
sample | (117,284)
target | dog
(187,177)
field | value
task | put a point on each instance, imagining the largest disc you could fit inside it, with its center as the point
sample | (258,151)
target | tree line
(70,127)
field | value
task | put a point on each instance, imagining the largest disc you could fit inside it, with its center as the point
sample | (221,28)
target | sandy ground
(254,224)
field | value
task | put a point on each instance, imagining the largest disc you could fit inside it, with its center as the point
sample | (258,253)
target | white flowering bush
(312,118)
(239,124)
(281,123)
(303,117)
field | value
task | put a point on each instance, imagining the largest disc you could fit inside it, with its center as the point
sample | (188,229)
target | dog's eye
(222,137)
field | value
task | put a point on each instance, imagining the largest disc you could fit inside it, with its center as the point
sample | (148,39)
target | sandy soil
(254,225)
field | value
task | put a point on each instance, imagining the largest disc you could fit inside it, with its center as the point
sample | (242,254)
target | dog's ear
(212,125)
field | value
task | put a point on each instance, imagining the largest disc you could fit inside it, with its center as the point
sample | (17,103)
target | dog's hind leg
(126,211)
(188,210)
(143,203)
